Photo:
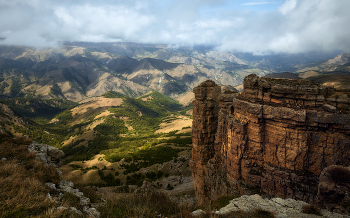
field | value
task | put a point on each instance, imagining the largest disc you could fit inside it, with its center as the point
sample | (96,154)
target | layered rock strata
(275,138)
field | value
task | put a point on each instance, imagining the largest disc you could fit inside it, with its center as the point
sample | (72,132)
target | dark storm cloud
(296,26)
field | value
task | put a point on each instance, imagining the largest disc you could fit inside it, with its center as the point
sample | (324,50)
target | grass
(141,205)
(22,184)
(22,180)
(113,94)
(71,200)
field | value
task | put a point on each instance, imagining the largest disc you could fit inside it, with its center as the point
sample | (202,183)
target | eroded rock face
(274,139)
(205,121)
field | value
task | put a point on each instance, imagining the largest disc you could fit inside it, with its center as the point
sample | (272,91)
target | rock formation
(274,139)
(52,156)
(47,154)
(282,208)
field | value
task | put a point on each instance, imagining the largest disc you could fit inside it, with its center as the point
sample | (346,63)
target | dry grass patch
(99,102)
(177,124)
(147,98)
(307,74)
(103,114)
(184,130)
(91,176)
(77,176)
(87,136)
(125,123)
(186,98)
(153,204)
(22,180)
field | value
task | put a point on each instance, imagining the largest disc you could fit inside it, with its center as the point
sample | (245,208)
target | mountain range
(77,71)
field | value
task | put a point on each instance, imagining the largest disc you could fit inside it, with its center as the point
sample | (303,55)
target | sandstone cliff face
(275,138)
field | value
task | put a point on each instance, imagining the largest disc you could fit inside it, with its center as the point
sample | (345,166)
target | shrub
(311,209)
(169,187)
(339,174)
(109,179)
(257,213)
(135,179)
(222,201)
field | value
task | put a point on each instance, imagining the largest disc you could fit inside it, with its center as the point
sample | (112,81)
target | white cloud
(288,6)
(296,26)
(259,3)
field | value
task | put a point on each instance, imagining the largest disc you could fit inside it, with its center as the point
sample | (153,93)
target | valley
(111,140)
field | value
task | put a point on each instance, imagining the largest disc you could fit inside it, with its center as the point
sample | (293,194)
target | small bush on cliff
(311,209)
(222,201)
(339,174)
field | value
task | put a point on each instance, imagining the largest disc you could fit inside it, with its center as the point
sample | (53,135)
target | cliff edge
(274,139)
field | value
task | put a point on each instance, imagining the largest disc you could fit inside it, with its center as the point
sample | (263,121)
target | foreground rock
(274,139)
(53,157)
(282,208)
(47,154)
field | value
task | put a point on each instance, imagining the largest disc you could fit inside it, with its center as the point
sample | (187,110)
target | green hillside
(38,108)
(144,117)
(126,133)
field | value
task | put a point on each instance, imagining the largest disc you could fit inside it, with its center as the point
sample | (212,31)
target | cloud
(296,26)
(259,3)
(287,7)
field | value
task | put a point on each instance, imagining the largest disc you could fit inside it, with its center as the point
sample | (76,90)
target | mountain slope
(77,71)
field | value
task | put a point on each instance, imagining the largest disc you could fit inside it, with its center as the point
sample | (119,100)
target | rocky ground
(281,208)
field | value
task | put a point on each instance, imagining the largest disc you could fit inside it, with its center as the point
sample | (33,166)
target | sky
(257,26)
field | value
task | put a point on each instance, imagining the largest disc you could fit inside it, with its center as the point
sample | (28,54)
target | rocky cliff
(273,139)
